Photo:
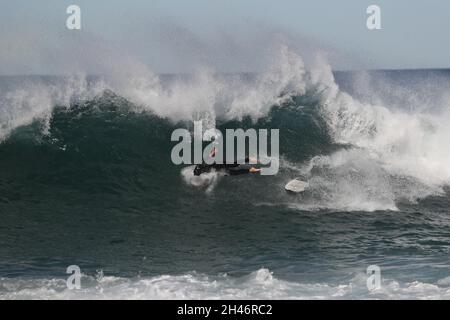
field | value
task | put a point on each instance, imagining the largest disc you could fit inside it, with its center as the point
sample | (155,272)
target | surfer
(231,169)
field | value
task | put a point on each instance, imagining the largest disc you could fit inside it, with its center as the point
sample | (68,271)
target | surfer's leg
(242,170)
(236,171)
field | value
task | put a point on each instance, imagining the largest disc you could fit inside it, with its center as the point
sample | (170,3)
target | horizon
(221,73)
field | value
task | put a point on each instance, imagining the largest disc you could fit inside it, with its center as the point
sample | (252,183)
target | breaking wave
(355,155)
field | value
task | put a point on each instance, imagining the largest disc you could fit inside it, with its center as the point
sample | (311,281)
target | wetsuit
(230,168)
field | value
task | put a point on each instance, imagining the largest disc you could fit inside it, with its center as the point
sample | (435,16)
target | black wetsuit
(230,168)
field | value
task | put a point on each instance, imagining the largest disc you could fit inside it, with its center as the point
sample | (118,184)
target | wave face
(87,178)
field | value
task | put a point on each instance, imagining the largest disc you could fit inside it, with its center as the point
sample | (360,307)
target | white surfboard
(296,186)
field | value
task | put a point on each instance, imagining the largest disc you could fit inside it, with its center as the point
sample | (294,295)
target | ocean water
(86,179)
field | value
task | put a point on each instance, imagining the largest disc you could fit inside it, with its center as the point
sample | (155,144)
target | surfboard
(296,186)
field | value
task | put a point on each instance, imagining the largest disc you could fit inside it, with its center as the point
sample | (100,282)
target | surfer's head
(201,168)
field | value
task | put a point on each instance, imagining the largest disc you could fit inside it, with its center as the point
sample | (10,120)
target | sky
(227,35)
